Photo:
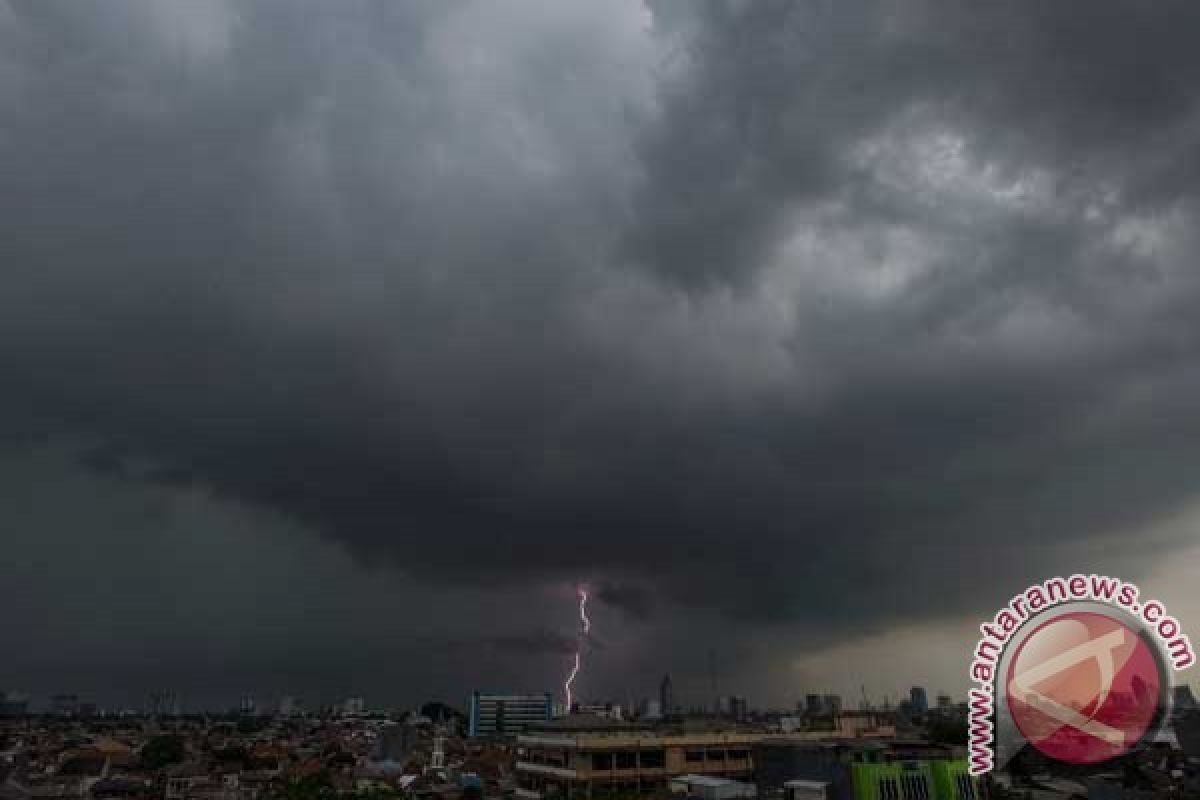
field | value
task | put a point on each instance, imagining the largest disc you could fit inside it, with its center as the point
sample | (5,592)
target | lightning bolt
(585,627)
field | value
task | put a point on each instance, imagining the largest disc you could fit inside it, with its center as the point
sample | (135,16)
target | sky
(342,341)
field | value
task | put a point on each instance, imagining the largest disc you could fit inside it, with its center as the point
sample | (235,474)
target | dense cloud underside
(723,307)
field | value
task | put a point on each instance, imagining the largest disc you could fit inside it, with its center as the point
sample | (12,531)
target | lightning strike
(585,627)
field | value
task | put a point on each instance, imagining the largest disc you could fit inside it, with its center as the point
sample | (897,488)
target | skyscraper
(918,699)
(666,697)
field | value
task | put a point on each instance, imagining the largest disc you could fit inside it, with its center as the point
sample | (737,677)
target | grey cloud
(720,307)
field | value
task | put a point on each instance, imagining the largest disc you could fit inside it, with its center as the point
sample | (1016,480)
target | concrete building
(707,787)
(589,757)
(666,697)
(918,700)
(496,714)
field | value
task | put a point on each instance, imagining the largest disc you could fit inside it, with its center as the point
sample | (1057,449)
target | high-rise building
(813,705)
(918,699)
(247,706)
(832,703)
(500,714)
(666,696)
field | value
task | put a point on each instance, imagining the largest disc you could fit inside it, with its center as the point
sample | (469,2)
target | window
(716,755)
(693,756)
(602,761)
(653,759)
(737,755)
(626,759)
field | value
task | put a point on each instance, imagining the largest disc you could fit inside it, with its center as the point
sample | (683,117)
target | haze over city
(343,341)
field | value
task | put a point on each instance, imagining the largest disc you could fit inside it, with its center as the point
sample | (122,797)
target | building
(666,697)
(841,770)
(164,703)
(494,714)
(706,787)
(608,710)
(395,742)
(64,705)
(588,756)
(1182,698)
(813,705)
(918,700)
(733,706)
(832,703)
(806,790)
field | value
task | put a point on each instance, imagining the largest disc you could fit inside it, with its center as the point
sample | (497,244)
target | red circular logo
(1084,687)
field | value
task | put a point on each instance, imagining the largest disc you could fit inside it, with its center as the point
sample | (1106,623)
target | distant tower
(438,761)
(919,699)
(666,697)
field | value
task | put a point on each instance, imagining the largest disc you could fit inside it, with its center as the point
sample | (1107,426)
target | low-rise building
(579,757)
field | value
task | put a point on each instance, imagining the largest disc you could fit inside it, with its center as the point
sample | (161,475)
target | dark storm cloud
(634,600)
(535,643)
(765,301)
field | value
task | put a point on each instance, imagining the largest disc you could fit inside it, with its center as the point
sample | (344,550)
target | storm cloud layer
(726,308)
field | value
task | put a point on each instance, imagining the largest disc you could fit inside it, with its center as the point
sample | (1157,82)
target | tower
(666,696)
